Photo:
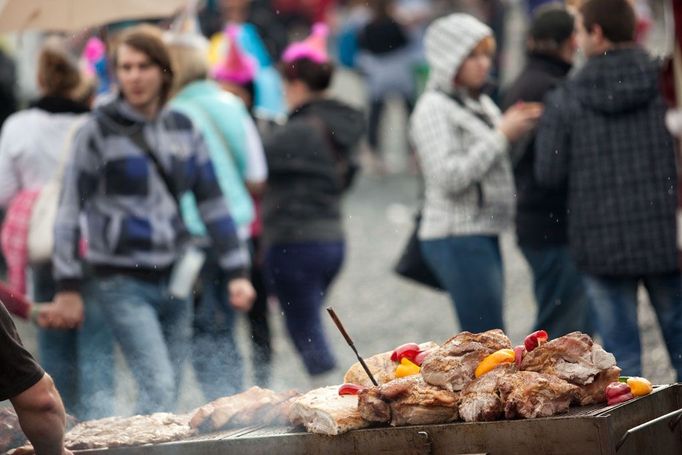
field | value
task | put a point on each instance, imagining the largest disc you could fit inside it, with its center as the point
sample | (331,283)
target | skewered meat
(529,395)
(481,400)
(577,359)
(128,431)
(324,411)
(243,409)
(381,366)
(11,435)
(408,401)
(452,366)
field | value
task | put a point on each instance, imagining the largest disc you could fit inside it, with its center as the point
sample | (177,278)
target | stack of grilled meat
(568,370)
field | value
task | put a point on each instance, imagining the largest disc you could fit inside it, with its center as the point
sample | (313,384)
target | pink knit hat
(237,67)
(314,47)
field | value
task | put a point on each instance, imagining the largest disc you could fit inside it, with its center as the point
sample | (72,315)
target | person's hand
(65,313)
(241,294)
(519,120)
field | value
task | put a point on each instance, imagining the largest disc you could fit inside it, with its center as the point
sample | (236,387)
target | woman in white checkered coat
(462,142)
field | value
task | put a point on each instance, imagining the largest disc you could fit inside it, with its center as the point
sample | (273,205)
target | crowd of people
(208,175)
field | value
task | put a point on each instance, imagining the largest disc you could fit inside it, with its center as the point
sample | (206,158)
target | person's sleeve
(9,178)
(256,166)
(215,213)
(19,370)
(78,185)
(15,302)
(446,161)
(552,142)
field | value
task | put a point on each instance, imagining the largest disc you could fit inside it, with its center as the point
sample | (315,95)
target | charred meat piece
(381,366)
(11,435)
(528,395)
(324,411)
(251,407)
(575,358)
(481,400)
(595,392)
(128,431)
(408,401)
(452,366)
(372,406)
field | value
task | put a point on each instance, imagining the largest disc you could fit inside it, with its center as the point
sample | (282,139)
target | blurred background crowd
(326,125)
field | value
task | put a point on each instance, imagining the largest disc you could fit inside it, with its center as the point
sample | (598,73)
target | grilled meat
(128,431)
(452,365)
(595,392)
(324,411)
(243,409)
(408,401)
(481,400)
(381,366)
(529,395)
(577,359)
(11,435)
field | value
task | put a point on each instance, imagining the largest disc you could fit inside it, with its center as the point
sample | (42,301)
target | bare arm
(42,417)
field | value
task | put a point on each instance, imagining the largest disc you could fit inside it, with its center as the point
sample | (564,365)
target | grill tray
(583,430)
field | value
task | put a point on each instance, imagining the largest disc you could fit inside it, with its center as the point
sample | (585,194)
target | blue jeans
(80,361)
(153,330)
(300,275)
(218,365)
(560,292)
(470,268)
(615,303)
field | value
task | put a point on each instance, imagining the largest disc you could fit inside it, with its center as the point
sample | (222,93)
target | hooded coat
(302,202)
(469,188)
(603,133)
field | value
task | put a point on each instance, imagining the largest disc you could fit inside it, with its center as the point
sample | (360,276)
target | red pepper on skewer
(350,389)
(406,351)
(535,339)
(618,392)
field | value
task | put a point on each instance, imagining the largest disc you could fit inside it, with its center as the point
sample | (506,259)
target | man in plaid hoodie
(603,132)
(132,162)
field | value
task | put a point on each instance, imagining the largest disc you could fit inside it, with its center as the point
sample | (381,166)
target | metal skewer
(336,320)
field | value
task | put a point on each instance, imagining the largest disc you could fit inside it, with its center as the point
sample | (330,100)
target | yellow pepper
(639,386)
(406,368)
(493,360)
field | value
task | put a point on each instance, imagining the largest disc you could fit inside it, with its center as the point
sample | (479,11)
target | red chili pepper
(618,392)
(535,339)
(350,389)
(519,351)
(615,389)
(620,399)
(406,351)
(419,359)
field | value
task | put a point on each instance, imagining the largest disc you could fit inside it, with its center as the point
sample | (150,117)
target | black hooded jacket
(603,134)
(540,212)
(307,165)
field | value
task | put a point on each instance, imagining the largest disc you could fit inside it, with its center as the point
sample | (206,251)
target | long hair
(147,39)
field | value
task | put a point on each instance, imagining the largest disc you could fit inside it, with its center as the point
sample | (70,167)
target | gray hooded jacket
(467,172)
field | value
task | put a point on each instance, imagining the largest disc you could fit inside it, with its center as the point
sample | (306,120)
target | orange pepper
(406,368)
(639,386)
(493,360)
